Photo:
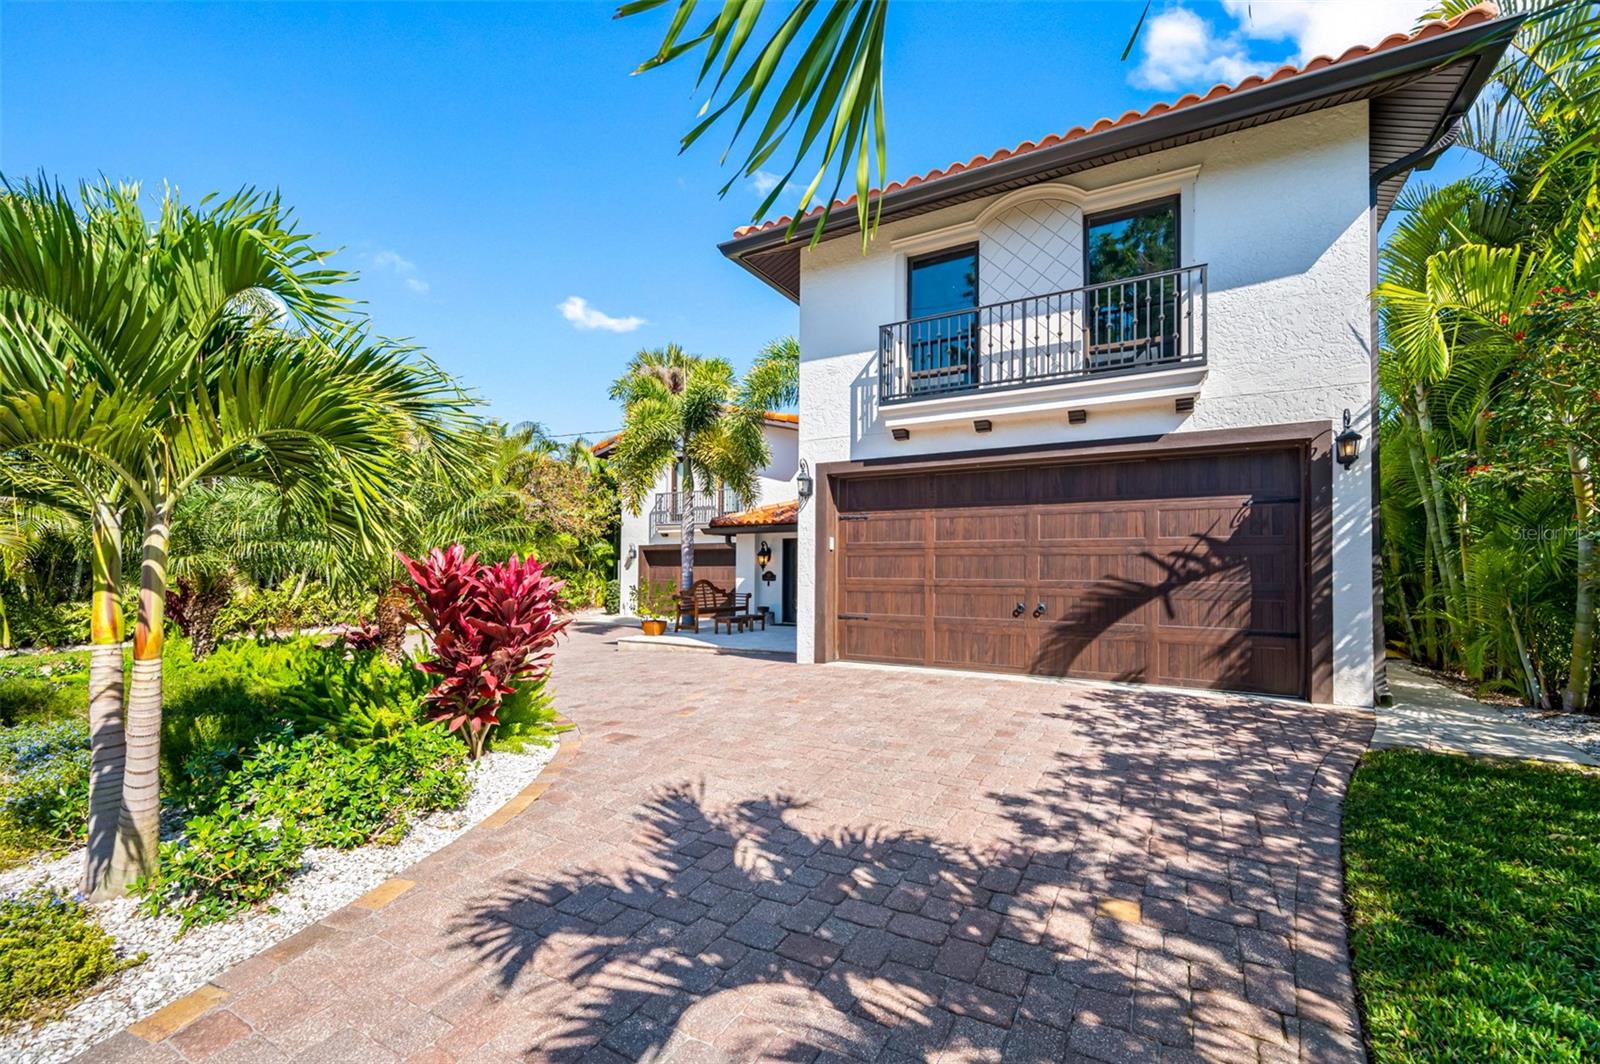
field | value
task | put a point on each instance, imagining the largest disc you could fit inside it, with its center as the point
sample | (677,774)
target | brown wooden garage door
(659,565)
(1185,571)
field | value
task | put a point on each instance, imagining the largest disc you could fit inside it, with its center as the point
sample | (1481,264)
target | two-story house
(750,550)
(1103,405)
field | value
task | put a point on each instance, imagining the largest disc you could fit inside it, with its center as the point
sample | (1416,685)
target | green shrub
(358,696)
(613,596)
(27,745)
(57,667)
(23,701)
(50,801)
(43,687)
(51,951)
(255,814)
(227,699)
(226,862)
(347,796)
(44,785)
(40,624)
(527,718)
(286,608)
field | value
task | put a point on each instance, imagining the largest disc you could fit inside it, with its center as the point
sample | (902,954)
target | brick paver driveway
(753,860)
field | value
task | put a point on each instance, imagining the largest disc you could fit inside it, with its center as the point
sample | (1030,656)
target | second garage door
(1185,571)
(660,564)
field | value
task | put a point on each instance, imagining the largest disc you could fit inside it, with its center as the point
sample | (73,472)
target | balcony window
(941,303)
(1134,318)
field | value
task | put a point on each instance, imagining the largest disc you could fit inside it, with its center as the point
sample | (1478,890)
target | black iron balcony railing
(1155,321)
(667,513)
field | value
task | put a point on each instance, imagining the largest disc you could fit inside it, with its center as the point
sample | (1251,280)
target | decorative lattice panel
(1031,249)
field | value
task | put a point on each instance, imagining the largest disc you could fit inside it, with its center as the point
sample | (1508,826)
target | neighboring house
(728,538)
(1074,411)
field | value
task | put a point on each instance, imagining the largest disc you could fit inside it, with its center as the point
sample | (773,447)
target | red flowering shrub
(494,629)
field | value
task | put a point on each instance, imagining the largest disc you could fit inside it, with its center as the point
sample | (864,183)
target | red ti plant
(494,627)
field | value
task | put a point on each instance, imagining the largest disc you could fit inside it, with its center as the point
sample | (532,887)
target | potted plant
(655,604)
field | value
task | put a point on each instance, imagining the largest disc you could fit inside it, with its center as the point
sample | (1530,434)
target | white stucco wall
(1281,215)
(775,483)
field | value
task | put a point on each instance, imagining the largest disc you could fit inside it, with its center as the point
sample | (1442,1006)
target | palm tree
(686,412)
(142,358)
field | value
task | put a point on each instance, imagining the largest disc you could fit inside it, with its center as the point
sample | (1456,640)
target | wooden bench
(706,599)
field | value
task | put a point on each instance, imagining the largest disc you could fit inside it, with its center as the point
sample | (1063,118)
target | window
(943,283)
(1134,318)
(1132,242)
(942,300)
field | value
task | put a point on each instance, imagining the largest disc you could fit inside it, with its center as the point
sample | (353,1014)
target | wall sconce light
(982,424)
(633,552)
(1347,445)
(900,434)
(802,482)
(763,555)
(1077,417)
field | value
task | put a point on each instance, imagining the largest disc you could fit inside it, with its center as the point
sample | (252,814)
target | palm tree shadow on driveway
(731,933)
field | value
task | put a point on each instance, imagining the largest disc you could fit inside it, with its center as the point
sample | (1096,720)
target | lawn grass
(1474,891)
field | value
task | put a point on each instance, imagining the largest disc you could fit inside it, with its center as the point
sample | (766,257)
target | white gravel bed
(1575,729)
(328,880)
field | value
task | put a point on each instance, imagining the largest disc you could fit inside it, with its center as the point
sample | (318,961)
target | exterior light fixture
(763,555)
(802,482)
(983,424)
(901,434)
(1077,417)
(1347,445)
(633,552)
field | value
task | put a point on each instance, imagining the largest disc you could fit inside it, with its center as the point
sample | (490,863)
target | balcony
(667,513)
(1138,325)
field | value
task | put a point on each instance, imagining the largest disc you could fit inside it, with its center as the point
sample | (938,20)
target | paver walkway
(1429,715)
(752,860)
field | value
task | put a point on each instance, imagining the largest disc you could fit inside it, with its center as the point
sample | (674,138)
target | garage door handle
(1021,606)
(1038,611)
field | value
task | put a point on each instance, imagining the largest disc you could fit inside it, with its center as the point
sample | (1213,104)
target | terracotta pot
(654,627)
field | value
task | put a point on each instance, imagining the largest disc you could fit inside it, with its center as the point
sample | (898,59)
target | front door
(790,568)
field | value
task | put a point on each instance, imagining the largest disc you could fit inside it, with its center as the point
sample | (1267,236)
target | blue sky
(482,165)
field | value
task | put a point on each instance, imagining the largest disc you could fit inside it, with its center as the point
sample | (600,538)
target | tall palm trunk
(686,528)
(139,825)
(1430,628)
(1433,494)
(1413,647)
(1530,675)
(107,738)
(1576,696)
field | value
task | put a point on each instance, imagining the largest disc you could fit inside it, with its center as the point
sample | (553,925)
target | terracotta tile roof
(1483,12)
(773,513)
(773,418)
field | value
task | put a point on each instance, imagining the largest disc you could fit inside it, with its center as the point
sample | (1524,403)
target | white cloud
(1320,28)
(391,261)
(764,181)
(577,310)
(1181,50)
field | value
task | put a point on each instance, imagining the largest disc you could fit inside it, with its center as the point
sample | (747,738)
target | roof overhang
(730,531)
(1420,91)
